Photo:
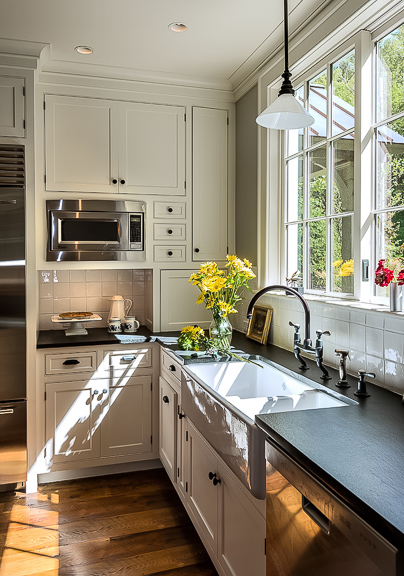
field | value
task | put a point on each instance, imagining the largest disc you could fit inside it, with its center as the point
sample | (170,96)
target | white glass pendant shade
(285,113)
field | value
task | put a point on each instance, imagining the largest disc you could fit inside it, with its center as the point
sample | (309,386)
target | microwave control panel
(136,237)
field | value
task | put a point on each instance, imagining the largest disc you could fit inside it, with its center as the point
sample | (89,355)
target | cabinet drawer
(116,361)
(171,366)
(68,363)
(168,231)
(169,210)
(169,253)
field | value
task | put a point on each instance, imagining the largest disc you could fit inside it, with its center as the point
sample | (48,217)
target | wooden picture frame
(258,327)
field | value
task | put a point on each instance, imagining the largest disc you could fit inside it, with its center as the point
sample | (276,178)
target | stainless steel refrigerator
(13,394)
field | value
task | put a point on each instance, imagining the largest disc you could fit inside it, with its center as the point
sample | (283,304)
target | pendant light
(285,113)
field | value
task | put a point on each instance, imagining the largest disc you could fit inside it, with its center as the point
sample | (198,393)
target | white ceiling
(226,39)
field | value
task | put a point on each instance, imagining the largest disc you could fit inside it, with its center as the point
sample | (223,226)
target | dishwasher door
(311,532)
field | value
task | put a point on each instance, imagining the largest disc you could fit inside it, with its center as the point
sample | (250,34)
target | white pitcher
(119,307)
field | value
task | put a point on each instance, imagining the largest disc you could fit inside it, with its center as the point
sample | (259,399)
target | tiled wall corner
(89,291)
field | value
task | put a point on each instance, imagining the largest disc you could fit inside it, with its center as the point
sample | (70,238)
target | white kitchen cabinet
(100,406)
(12,106)
(72,421)
(168,428)
(178,302)
(209,160)
(226,519)
(95,145)
(126,427)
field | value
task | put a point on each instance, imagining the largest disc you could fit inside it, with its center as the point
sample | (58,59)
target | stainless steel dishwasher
(311,532)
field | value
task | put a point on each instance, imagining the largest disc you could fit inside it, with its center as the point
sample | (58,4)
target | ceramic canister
(130,324)
(114,325)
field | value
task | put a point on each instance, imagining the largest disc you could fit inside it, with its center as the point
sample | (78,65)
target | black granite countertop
(96,336)
(357,451)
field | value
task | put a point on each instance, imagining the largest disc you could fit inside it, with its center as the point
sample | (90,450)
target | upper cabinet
(12,121)
(95,145)
(209,184)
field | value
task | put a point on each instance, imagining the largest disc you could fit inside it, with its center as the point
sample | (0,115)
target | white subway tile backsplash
(357,337)
(93,275)
(342,334)
(91,291)
(357,316)
(394,323)
(358,362)
(78,276)
(374,320)
(61,290)
(376,365)
(394,377)
(393,346)
(374,342)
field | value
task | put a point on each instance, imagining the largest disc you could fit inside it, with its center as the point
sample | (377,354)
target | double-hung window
(388,130)
(319,182)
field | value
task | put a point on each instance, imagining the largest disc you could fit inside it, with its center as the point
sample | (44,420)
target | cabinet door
(81,144)
(12,106)
(241,542)
(72,421)
(152,149)
(178,302)
(202,493)
(209,184)
(127,423)
(168,427)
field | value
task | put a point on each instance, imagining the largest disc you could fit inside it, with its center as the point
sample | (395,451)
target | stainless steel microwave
(95,230)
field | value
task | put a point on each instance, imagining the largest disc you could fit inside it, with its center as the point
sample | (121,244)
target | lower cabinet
(228,521)
(98,419)
(168,427)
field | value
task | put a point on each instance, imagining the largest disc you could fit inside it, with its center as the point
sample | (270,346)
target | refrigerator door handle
(6,411)
(8,201)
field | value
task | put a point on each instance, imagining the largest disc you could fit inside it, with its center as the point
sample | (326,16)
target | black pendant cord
(286,87)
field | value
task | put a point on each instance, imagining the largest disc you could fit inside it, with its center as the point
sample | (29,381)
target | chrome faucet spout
(307,341)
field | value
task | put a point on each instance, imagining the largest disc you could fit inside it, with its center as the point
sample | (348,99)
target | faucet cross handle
(319,333)
(295,326)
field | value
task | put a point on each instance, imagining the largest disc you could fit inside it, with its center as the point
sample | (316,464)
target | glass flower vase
(221,332)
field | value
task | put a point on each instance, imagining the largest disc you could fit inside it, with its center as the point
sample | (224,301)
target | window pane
(342,255)
(343,94)
(295,137)
(343,174)
(294,175)
(390,165)
(317,255)
(294,249)
(390,74)
(318,108)
(317,182)
(390,236)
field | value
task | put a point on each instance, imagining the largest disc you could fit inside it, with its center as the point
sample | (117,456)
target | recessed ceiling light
(84,49)
(177,27)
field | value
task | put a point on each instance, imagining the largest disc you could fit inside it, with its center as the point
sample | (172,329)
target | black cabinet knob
(169,231)
(214,478)
(122,181)
(166,400)
(170,253)
(169,209)
(196,250)
(181,415)
(114,181)
(171,368)
(216,481)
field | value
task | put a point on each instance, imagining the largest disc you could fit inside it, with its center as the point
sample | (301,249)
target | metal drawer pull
(315,514)
(7,411)
(71,362)
(127,358)
(172,368)
(166,399)
(8,201)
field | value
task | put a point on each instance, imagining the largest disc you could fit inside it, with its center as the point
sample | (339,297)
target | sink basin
(223,398)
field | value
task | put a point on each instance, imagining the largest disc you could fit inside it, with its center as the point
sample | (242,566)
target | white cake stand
(75,325)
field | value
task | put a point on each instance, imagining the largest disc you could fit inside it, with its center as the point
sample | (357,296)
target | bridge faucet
(298,346)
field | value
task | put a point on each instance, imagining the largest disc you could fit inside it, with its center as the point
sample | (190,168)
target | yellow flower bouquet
(220,292)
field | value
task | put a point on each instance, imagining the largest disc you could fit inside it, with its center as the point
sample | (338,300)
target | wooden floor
(127,525)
